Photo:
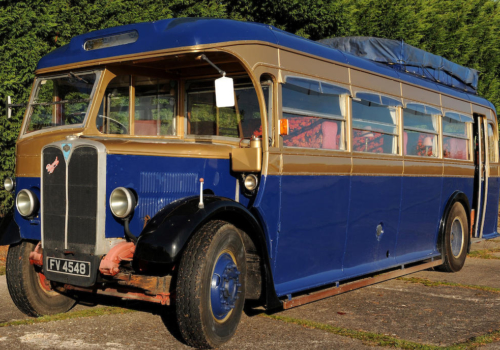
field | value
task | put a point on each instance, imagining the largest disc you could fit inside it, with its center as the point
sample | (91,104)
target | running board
(309,298)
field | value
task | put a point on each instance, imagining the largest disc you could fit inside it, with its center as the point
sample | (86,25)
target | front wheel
(30,291)
(210,291)
(455,240)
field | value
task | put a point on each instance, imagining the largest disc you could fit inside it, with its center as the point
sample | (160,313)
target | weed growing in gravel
(430,283)
(485,254)
(98,311)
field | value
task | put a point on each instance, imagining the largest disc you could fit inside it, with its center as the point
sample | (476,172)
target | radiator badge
(51,167)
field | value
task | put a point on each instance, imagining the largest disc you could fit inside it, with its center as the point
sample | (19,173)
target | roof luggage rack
(409,59)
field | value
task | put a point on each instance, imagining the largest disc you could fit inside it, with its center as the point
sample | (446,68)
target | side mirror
(224,92)
(8,107)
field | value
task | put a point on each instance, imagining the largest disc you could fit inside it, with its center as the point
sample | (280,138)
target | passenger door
(480,175)
(492,186)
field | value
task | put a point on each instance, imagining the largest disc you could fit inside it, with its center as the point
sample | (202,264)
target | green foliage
(464,31)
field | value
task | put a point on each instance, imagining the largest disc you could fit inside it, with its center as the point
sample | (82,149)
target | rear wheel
(455,240)
(29,289)
(210,291)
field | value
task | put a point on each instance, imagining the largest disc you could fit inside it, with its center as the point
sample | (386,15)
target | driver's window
(114,113)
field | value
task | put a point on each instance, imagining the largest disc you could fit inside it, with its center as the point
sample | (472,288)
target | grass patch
(98,311)
(485,254)
(388,341)
(366,337)
(429,283)
(2,270)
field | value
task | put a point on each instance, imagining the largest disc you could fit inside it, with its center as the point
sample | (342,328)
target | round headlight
(26,203)
(8,184)
(122,202)
(251,182)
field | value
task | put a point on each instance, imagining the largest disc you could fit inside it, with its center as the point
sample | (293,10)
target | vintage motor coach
(202,163)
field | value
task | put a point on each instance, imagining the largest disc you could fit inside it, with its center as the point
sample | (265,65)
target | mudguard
(166,234)
(9,230)
(457,196)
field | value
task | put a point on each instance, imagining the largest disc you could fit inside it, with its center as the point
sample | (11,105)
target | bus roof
(185,32)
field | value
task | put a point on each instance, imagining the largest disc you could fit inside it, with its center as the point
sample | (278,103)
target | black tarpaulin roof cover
(401,56)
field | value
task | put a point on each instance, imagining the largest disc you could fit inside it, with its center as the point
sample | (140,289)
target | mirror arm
(9,106)
(205,58)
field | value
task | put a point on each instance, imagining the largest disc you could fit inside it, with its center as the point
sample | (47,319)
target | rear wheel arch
(457,196)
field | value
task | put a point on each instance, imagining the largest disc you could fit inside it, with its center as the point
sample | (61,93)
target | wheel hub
(456,238)
(225,286)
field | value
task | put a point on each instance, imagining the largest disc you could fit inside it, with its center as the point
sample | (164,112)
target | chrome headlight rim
(29,206)
(9,184)
(251,182)
(122,202)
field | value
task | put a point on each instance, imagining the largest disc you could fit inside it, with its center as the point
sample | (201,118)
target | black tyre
(28,288)
(210,291)
(455,240)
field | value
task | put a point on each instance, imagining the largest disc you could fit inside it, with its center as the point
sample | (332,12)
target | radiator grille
(54,198)
(78,231)
(82,200)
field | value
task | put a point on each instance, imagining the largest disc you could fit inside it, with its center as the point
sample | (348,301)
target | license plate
(69,267)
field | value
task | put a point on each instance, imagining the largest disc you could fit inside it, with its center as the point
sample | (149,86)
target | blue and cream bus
(202,163)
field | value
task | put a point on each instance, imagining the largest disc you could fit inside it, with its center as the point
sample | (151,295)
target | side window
(316,114)
(374,124)
(492,145)
(204,118)
(155,102)
(114,113)
(420,136)
(455,136)
(155,106)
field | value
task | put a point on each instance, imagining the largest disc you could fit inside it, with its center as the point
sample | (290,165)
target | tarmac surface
(431,308)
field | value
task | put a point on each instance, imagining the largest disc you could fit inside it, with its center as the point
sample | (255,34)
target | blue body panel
(30,229)
(421,207)
(491,215)
(329,225)
(184,32)
(161,180)
(313,228)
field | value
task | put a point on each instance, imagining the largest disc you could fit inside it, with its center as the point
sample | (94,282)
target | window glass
(315,115)
(420,130)
(313,132)
(455,148)
(154,106)
(114,113)
(379,99)
(454,128)
(455,142)
(374,127)
(413,119)
(492,145)
(416,143)
(61,101)
(301,99)
(204,118)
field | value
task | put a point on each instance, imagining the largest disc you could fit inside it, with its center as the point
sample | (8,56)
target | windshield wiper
(78,78)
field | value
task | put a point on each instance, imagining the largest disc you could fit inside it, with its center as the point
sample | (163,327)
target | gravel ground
(427,307)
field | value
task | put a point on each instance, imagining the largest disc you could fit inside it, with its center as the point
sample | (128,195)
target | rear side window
(420,136)
(316,114)
(455,136)
(492,145)
(374,123)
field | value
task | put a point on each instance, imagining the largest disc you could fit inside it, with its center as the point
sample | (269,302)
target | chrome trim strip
(486,174)
(479,199)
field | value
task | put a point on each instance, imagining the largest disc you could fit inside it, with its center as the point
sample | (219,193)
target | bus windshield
(61,101)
